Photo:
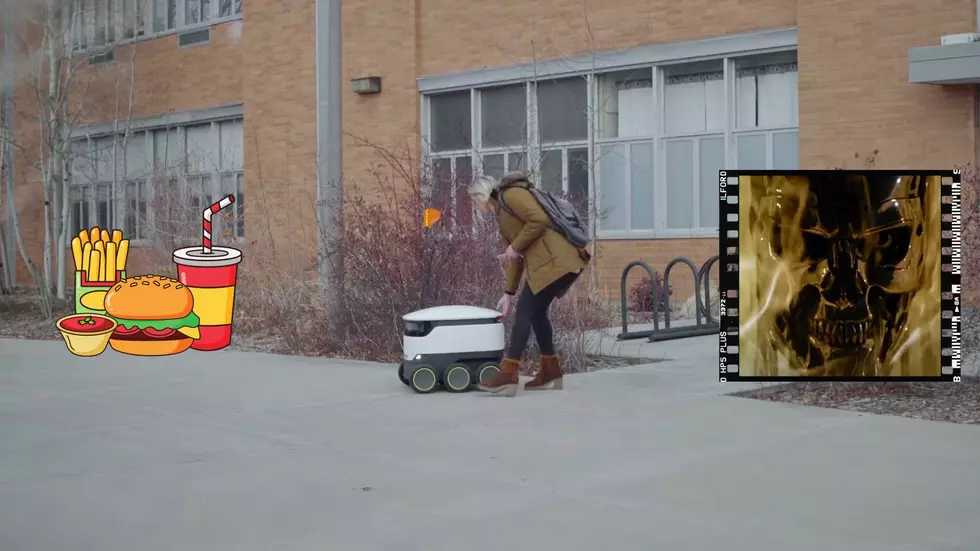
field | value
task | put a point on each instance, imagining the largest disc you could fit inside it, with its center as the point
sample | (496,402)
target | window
(646,142)
(157,182)
(503,117)
(563,122)
(694,143)
(625,105)
(452,162)
(503,129)
(102,24)
(766,113)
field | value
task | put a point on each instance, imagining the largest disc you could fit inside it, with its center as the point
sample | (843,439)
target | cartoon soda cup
(211,274)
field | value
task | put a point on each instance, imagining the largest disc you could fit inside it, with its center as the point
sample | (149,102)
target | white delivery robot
(456,346)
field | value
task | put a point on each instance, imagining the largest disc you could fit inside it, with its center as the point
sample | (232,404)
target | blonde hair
(481,188)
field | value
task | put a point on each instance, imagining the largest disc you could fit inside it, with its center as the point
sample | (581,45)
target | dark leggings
(532,311)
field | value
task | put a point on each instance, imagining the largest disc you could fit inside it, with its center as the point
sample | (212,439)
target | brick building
(641,102)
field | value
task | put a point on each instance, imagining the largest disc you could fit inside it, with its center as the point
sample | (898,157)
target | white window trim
(726,49)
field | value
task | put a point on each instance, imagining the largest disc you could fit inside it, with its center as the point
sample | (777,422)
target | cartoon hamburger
(155,316)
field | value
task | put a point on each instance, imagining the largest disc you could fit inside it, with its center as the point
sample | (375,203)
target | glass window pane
(711,159)
(751,152)
(128,18)
(104,161)
(684,108)
(137,165)
(171,13)
(83,162)
(166,151)
(504,115)
(745,101)
(786,151)
(232,141)
(493,165)
(159,15)
(112,14)
(100,20)
(777,96)
(225,8)
(641,186)
(766,90)
(442,181)
(201,149)
(205,10)
(624,104)
(464,175)
(133,203)
(680,183)
(612,187)
(551,171)
(562,110)
(688,90)
(240,208)
(238,6)
(714,104)
(103,205)
(515,162)
(451,124)
(578,178)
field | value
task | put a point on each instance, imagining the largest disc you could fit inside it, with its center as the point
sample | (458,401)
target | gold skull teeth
(840,333)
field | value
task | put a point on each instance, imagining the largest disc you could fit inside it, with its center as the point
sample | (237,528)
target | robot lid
(452,313)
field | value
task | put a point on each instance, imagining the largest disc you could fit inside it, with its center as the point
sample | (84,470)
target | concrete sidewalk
(255,452)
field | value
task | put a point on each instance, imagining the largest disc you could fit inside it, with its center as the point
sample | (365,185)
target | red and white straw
(208,212)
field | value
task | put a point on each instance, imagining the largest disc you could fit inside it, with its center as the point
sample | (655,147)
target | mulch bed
(939,401)
(21,318)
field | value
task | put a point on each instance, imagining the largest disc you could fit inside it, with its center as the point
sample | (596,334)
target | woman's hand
(508,256)
(505,304)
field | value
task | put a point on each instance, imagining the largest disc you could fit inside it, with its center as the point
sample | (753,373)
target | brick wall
(854,90)
(855,96)
(167,79)
(614,255)
(279,91)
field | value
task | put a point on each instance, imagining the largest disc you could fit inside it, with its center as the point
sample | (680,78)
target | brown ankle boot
(549,377)
(506,382)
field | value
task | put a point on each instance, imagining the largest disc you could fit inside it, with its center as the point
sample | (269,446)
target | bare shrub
(970,245)
(641,294)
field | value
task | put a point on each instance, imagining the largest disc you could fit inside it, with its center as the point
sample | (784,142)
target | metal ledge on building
(756,42)
(950,64)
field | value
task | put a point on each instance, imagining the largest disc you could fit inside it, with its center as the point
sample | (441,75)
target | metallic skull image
(856,242)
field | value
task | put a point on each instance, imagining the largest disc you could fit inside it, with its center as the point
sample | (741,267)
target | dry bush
(393,265)
(970,248)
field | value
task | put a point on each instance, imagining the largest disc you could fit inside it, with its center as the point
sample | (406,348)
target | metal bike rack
(702,278)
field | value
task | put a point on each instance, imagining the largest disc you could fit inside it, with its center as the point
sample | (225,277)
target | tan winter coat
(547,255)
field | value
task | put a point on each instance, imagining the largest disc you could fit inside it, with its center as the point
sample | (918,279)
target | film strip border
(728,276)
(951,261)
(728,191)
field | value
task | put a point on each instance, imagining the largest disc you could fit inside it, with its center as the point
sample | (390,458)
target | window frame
(119,199)
(729,133)
(75,22)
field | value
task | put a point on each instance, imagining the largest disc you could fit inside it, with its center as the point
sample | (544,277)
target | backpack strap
(503,204)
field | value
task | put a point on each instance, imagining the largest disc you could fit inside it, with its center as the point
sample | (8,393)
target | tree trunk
(55,143)
(6,283)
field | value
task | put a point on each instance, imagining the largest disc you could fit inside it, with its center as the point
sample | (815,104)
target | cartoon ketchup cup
(210,272)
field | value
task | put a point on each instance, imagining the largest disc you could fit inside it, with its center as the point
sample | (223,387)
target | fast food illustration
(100,261)
(211,272)
(86,334)
(151,315)
(154,316)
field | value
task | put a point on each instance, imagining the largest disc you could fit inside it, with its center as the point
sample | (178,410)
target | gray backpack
(564,217)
